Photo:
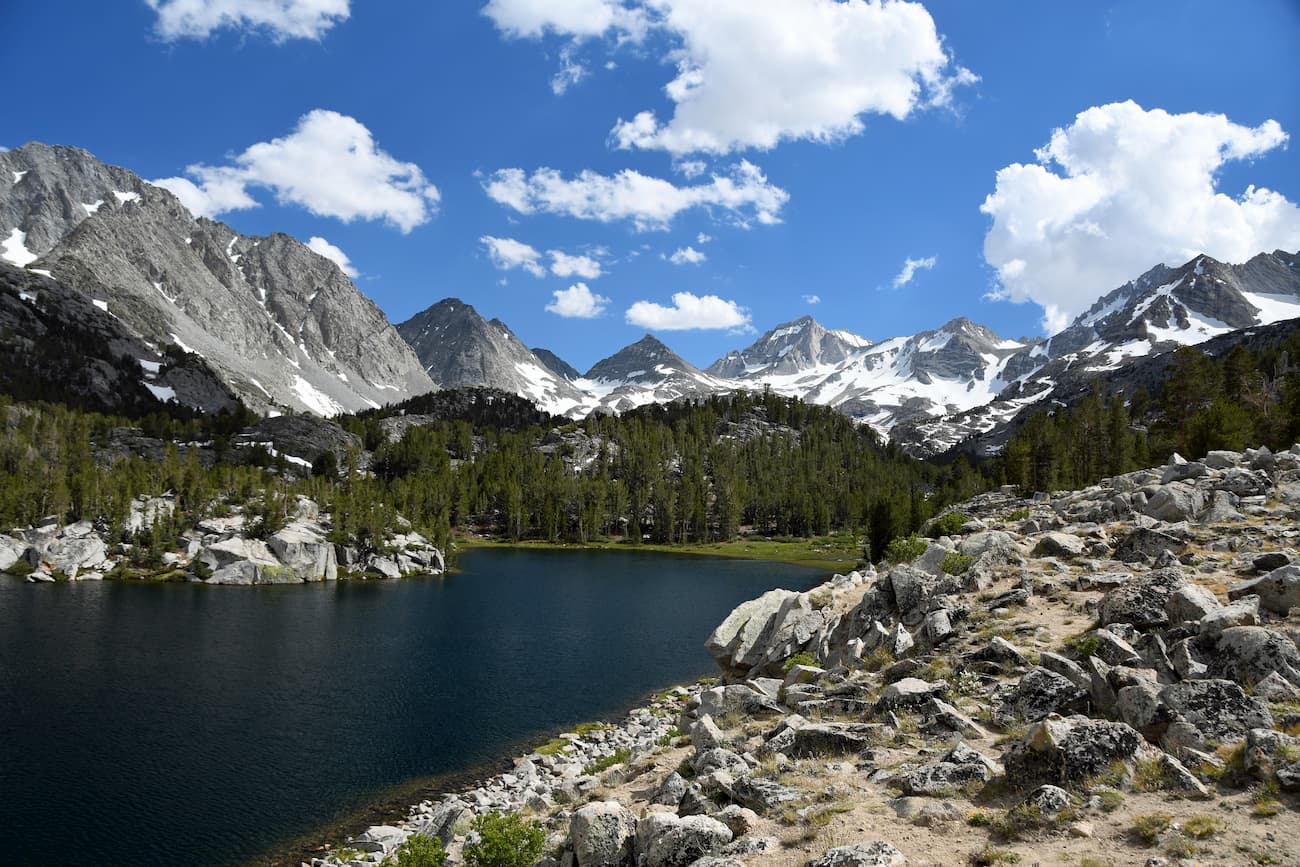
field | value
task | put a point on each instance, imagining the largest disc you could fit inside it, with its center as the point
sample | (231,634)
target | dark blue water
(181,724)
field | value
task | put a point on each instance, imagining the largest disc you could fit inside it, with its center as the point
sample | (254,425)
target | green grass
(841,552)
(620,757)
(1147,829)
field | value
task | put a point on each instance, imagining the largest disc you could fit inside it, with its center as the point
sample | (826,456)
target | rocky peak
(648,358)
(791,347)
(279,324)
(555,364)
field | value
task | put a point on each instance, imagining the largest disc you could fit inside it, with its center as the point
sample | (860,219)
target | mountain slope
(646,372)
(458,347)
(281,325)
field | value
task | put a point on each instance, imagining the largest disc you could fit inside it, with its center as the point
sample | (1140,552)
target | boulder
(1190,603)
(1271,560)
(960,766)
(721,701)
(670,791)
(1141,545)
(832,739)
(1141,706)
(11,551)
(719,759)
(909,692)
(705,734)
(665,840)
(1059,545)
(1219,709)
(1174,502)
(449,818)
(303,548)
(876,853)
(1062,751)
(602,834)
(740,820)
(1248,654)
(1039,693)
(915,588)
(1278,591)
(1268,754)
(756,632)
(1142,601)
(1244,611)
(69,555)
(762,794)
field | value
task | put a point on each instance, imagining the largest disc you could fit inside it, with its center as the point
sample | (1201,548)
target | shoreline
(408,803)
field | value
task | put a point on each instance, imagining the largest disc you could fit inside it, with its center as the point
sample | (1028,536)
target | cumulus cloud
(690,168)
(580,19)
(1119,190)
(703,239)
(649,202)
(689,312)
(812,299)
(910,267)
(752,73)
(571,72)
(319,245)
(577,302)
(687,256)
(565,265)
(330,165)
(507,253)
(280,19)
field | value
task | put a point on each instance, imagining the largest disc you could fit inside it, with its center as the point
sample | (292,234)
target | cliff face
(281,326)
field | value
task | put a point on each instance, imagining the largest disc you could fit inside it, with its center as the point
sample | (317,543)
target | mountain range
(208,316)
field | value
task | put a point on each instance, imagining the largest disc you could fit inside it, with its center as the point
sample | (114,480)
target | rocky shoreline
(1105,676)
(218,550)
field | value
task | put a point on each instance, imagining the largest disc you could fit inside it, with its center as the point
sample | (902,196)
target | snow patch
(92,207)
(123,198)
(161,392)
(1274,308)
(314,399)
(150,367)
(102,305)
(43,272)
(14,249)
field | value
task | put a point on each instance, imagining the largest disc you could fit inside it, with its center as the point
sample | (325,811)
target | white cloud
(687,256)
(689,312)
(507,253)
(650,203)
(564,265)
(577,18)
(910,267)
(753,73)
(703,239)
(281,19)
(571,72)
(329,165)
(1120,190)
(577,302)
(812,299)
(319,245)
(690,168)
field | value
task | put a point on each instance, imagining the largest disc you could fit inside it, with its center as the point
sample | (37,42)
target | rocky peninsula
(1103,676)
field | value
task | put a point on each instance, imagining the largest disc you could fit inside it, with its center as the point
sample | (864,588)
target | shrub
(1147,829)
(620,757)
(804,658)
(1202,826)
(21,569)
(904,549)
(1019,514)
(956,564)
(420,851)
(505,840)
(948,525)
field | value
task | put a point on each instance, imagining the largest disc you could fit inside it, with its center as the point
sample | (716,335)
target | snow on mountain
(646,372)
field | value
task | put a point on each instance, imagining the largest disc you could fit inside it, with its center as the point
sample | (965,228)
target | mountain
(280,325)
(646,372)
(458,347)
(930,374)
(555,364)
(1150,316)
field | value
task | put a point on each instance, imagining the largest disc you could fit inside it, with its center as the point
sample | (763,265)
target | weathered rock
(740,820)
(1142,707)
(1039,693)
(832,739)
(760,634)
(1278,591)
(1069,750)
(1219,709)
(1177,501)
(876,853)
(1190,603)
(736,698)
(1059,545)
(914,589)
(908,692)
(303,548)
(11,551)
(951,718)
(448,819)
(720,759)
(705,734)
(602,834)
(1243,611)
(762,794)
(1050,800)
(1142,545)
(1275,688)
(1248,654)
(1271,560)
(665,840)
(1067,668)
(1142,601)
(1268,754)
(670,791)
(1001,651)
(960,766)
(69,555)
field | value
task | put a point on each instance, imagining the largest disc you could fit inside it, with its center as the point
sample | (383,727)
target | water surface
(185,724)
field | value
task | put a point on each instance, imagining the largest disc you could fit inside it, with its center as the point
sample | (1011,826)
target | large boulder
(915,588)
(1039,693)
(11,551)
(1142,601)
(1219,709)
(302,547)
(1142,545)
(1059,545)
(602,834)
(69,555)
(449,818)
(1062,751)
(243,561)
(960,766)
(1278,591)
(1248,654)
(1177,501)
(761,633)
(876,853)
(665,840)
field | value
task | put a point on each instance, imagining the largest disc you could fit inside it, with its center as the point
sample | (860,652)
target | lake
(187,724)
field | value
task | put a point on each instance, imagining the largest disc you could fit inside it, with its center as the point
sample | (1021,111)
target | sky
(592,170)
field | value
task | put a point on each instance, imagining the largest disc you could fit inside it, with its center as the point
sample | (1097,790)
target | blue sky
(817,176)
